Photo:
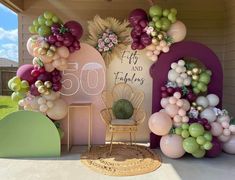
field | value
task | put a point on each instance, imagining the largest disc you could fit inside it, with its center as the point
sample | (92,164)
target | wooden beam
(15,5)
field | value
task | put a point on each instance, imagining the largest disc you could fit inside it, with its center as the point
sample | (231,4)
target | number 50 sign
(85,75)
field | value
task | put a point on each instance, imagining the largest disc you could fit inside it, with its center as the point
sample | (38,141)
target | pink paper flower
(106,49)
(110,45)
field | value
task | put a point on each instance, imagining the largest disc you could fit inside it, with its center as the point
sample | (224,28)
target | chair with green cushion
(123,112)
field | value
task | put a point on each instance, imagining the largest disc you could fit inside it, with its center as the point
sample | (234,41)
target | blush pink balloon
(177,31)
(186,105)
(164,102)
(224,138)
(33,42)
(216,129)
(229,146)
(172,146)
(172,110)
(160,123)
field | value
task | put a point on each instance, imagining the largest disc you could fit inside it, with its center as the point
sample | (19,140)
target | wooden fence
(6,73)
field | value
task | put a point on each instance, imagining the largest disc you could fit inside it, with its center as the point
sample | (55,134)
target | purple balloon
(143,23)
(46,76)
(24,73)
(141,46)
(216,149)
(34,90)
(134,34)
(57,86)
(137,15)
(134,45)
(145,39)
(75,28)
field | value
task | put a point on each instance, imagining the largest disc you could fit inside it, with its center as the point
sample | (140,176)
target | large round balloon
(177,31)
(58,111)
(75,28)
(216,148)
(136,15)
(160,123)
(24,72)
(213,99)
(33,42)
(172,146)
(208,114)
(229,146)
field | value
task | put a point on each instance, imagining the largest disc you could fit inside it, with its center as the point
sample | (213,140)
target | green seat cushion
(122,109)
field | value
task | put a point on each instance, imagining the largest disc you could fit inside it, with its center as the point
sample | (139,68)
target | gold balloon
(45,45)
(48,84)
(200,108)
(53,48)
(160,36)
(195,71)
(154,33)
(38,83)
(194,104)
(50,53)
(42,89)
(195,77)
(42,51)
(155,41)
(47,92)
(189,73)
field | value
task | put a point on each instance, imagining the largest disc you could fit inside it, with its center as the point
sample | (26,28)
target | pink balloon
(160,123)
(229,146)
(186,105)
(172,146)
(24,73)
(177,31)
(172,110)
(164,102)
(33,42)
(216,129)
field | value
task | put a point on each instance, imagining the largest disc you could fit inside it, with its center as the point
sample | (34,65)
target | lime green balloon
(165,12)
(35,22)
(185,126)
(201,86)
(15,87)
(185,133)
(194,83)
(199,153)
(44,31)
(16,96)
(165,24)
(207,135)
(49,22)
(204,78)
(48,15)
(196,90)
(208,145)
(158,24)
(196,130)
(190,145)
(178,131)
(151,24)
(174,11)
(41,20)
(24,84)
(9,84)
(55,19)
(201,140)
(32,29)
(155,11)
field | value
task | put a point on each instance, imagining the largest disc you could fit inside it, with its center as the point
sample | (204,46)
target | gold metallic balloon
(195,71)
(48,84)
(160,36)
(53,48)
(42,51)
(190,73)
(47,92)
(38,83)
(194,104)
(200,108)
(153,33)
(195,77)
(50,53)
(45,45)
(42,89)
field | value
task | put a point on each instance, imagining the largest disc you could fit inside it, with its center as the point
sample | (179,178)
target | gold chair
(123,91)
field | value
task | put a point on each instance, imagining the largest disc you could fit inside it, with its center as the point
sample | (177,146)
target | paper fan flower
(109,36)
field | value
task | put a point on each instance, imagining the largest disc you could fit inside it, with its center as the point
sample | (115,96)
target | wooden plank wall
(229,57)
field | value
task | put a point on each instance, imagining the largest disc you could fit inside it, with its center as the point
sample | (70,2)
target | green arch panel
(28,134)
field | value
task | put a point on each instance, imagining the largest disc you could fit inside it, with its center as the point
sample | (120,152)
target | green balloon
(44,31)
(48,14)
(196,90)
(178,131)
(196,130)
(204,78)
(32,29)
(16,96)
(15,87)
(155,11)
(158,24)
(194,83)
(207,135)
(208,145)
(165,24)
(41,20)
(24,84)
(201,140)
(152,24)
(190,145)
(165,12)
(185,133)
(199,153)
(35,22)
(9,84)
(201,86)
(185,126)
(155,18)
(49,22)
(55,19)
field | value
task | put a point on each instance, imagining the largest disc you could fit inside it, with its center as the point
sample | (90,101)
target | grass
(7,106)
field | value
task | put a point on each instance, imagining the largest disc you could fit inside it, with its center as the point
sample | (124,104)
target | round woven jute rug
(125,160)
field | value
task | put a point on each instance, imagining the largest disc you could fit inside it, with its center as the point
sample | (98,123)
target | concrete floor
(68,167)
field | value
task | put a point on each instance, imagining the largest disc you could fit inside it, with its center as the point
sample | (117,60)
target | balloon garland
(36,86)
(155,31)
(190,121)
(109,36)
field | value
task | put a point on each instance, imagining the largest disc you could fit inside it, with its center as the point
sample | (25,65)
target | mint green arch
(28,134)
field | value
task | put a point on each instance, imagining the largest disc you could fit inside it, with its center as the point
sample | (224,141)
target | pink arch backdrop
(83,82)
(159,71)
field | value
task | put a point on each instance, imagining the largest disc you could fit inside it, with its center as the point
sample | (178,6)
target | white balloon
(213,100)
(181,62)
(202,101)
(172,75)
(208,114)
(174,65)
(229,146)
(58,111)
